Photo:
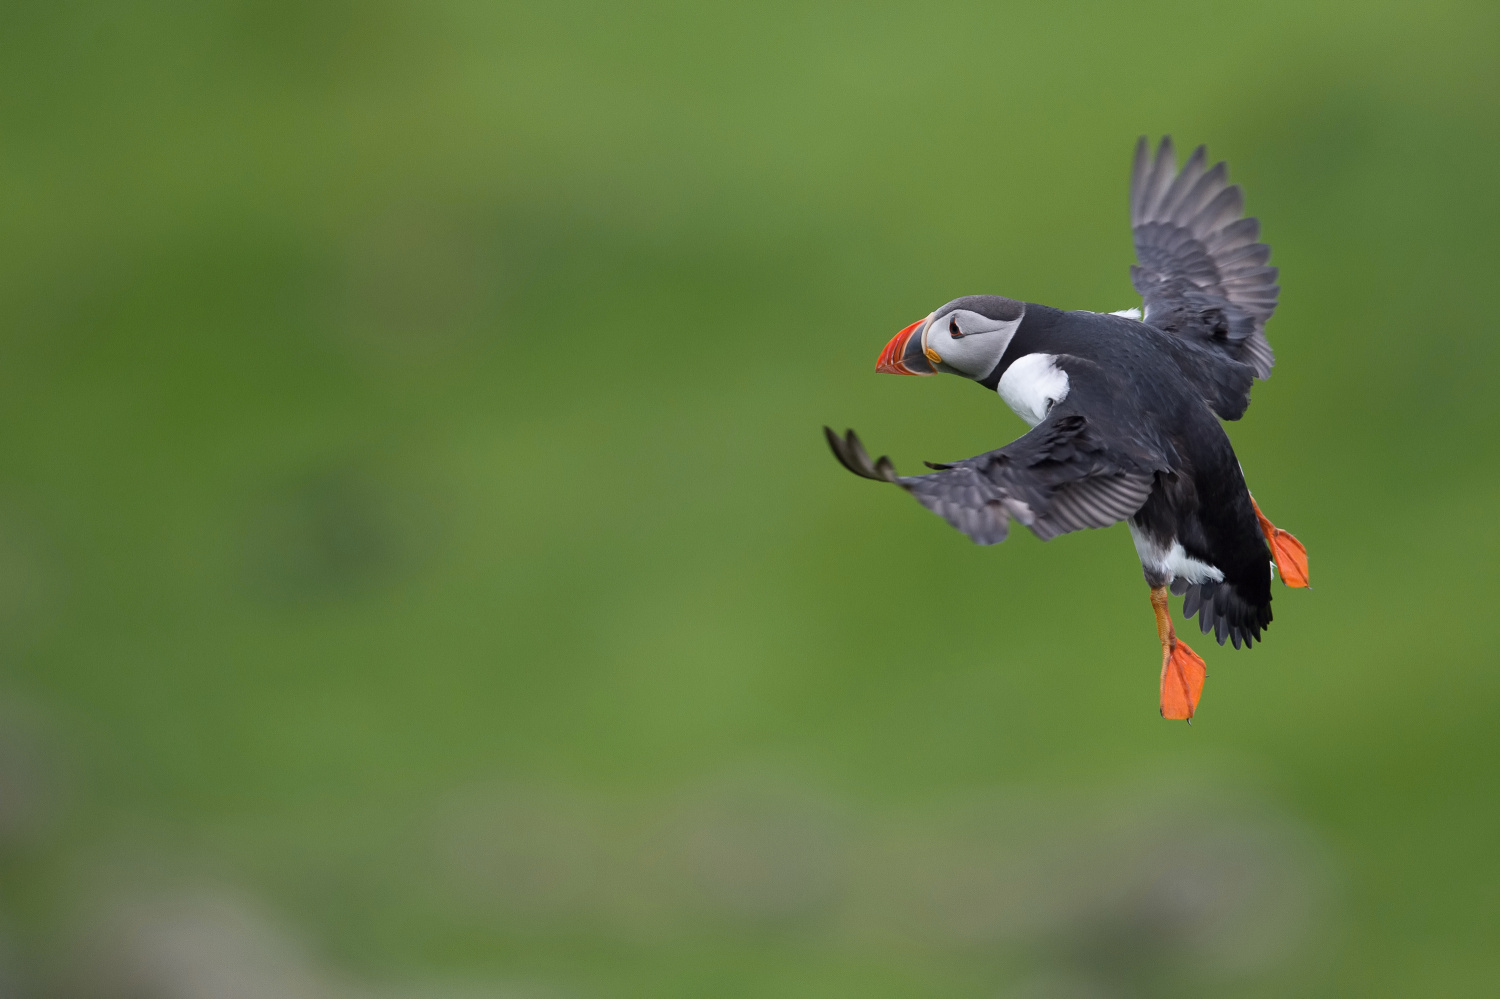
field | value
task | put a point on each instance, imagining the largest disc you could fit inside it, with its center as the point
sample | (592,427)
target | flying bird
(1124,409)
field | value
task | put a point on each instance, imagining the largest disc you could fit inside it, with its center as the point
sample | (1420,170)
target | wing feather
(1201,271)
(1061,477)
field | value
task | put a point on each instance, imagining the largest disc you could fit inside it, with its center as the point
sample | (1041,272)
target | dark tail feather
(1224,612)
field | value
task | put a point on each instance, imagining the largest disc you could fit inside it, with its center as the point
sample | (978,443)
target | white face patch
(968,342)
(1032,385)
(1173,562)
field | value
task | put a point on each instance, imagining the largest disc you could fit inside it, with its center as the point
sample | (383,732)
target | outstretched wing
(1202,273)
(1060,477)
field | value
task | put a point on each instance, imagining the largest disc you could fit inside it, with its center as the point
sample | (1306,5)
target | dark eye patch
(953,329)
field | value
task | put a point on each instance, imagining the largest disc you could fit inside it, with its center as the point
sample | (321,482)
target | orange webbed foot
(1287,552)
(1182,674)
(1182,671)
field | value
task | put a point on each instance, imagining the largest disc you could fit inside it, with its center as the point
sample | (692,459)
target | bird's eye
(953,329)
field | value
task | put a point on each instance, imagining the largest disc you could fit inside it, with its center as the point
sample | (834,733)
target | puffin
(1125,412)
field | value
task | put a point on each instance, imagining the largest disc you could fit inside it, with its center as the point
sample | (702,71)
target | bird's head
(968,336)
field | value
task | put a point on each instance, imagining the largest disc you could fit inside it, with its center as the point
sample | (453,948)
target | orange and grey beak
(903,355)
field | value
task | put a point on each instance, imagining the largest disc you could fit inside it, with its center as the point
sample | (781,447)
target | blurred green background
(422,574)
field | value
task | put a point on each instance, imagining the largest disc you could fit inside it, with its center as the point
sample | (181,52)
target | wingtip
(851,453)
(836,444)
(1150,184)
(1140,168)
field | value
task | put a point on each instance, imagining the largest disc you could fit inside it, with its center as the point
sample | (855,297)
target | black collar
(1030,336)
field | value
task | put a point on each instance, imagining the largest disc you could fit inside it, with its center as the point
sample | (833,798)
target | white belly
(1173,562)
(1032,385)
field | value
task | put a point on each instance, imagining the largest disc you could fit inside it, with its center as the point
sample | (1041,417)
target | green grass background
(410,404)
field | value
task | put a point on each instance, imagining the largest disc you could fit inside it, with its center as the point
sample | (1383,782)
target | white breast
(1032,385)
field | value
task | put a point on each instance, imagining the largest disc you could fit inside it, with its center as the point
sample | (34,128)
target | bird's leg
(1286,551)
(1182,671)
